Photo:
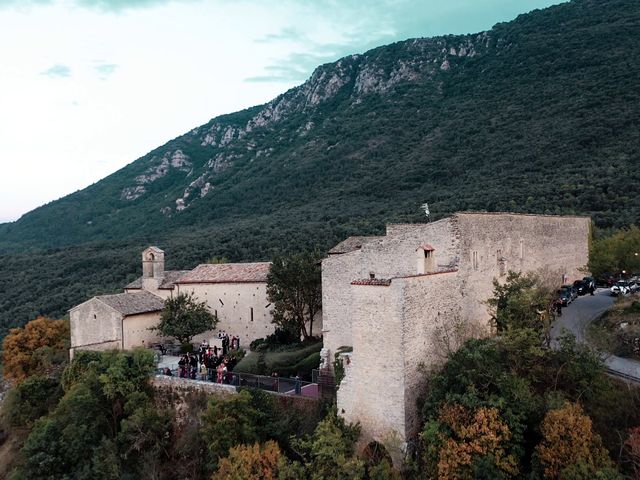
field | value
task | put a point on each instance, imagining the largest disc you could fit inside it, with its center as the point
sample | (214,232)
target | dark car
(590,281)
(565,296)
(573,290)
(581,287)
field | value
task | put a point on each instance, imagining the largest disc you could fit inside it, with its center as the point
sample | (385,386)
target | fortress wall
(375,396)
(430,330)
(337,274)
(96,326)
(549,245)
(395,254)
(232,302)
(392,256)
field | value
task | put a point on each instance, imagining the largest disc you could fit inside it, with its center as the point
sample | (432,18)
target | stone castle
(389,303)
(394,302)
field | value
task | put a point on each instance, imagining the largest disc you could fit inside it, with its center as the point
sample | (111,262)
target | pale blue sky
(87,86)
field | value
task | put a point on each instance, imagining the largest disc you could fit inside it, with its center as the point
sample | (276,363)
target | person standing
(298,385)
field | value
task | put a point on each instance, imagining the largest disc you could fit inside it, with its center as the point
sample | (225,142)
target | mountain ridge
(537,115)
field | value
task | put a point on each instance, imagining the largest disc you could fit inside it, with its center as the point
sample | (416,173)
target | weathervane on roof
(425,207)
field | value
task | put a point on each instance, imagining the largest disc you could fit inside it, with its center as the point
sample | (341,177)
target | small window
(252,314)
(372,275)
(474,259)
(221,302)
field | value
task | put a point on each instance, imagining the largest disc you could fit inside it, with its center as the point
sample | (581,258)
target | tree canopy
(294,287)
(41,347)
(616,253)
(183,317)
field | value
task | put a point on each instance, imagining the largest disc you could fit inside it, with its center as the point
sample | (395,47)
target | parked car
(573,290)
(590,281)
(621,287)
(634,285)
(581,287)
(565,296)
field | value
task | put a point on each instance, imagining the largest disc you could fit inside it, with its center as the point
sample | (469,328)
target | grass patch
(618,330)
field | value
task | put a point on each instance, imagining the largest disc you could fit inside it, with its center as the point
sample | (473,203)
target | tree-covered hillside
(536,115)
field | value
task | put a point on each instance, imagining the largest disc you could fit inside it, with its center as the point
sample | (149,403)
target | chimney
(426,259)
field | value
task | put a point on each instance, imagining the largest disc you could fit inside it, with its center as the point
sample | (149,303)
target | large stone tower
(152,268)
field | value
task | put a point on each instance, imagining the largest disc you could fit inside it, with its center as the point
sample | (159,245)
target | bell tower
(152,268)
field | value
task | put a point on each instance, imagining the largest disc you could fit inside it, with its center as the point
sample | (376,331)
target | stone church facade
(235,292)
(394,302)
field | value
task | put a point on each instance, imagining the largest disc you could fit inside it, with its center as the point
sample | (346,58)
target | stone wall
(391,256)
(233,304)
(493,244)
(431,328)
(372,391)
(338,271)
(136,330)
(95,326)
(419,319)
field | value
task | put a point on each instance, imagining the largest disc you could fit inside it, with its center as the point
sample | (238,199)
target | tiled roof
(351,244)
(378,282)
(133,303)
(154,249)
(167,283)
(426,247)
(227,273)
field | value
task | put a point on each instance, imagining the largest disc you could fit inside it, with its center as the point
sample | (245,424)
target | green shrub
(30,400)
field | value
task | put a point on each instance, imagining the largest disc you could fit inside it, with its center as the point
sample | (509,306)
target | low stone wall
(187,385)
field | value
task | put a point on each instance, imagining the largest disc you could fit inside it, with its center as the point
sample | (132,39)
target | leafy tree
(294,287)
(228,422)
(567,441)
(30,400)
(218,260)
(104,418)
(632,451)
(257,462)
(40,348)
(329,452)
(516,375)
(466,440)
(616,253)
(183,317)
(521,302)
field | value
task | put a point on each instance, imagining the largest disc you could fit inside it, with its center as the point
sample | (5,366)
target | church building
(235,292)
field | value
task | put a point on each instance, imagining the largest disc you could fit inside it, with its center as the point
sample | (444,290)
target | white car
(620,288)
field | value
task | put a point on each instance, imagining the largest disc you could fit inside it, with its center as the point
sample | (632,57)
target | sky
(88,86)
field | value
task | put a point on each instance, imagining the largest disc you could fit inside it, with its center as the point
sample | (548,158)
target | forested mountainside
(536,115)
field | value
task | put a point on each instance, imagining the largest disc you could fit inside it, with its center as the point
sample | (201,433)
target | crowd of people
(214,364)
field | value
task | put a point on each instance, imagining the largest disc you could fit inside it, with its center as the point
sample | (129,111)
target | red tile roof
(227,273)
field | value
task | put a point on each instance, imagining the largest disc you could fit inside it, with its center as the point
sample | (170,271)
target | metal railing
(282,385)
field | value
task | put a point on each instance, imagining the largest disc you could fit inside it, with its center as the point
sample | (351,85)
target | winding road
(577,316)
